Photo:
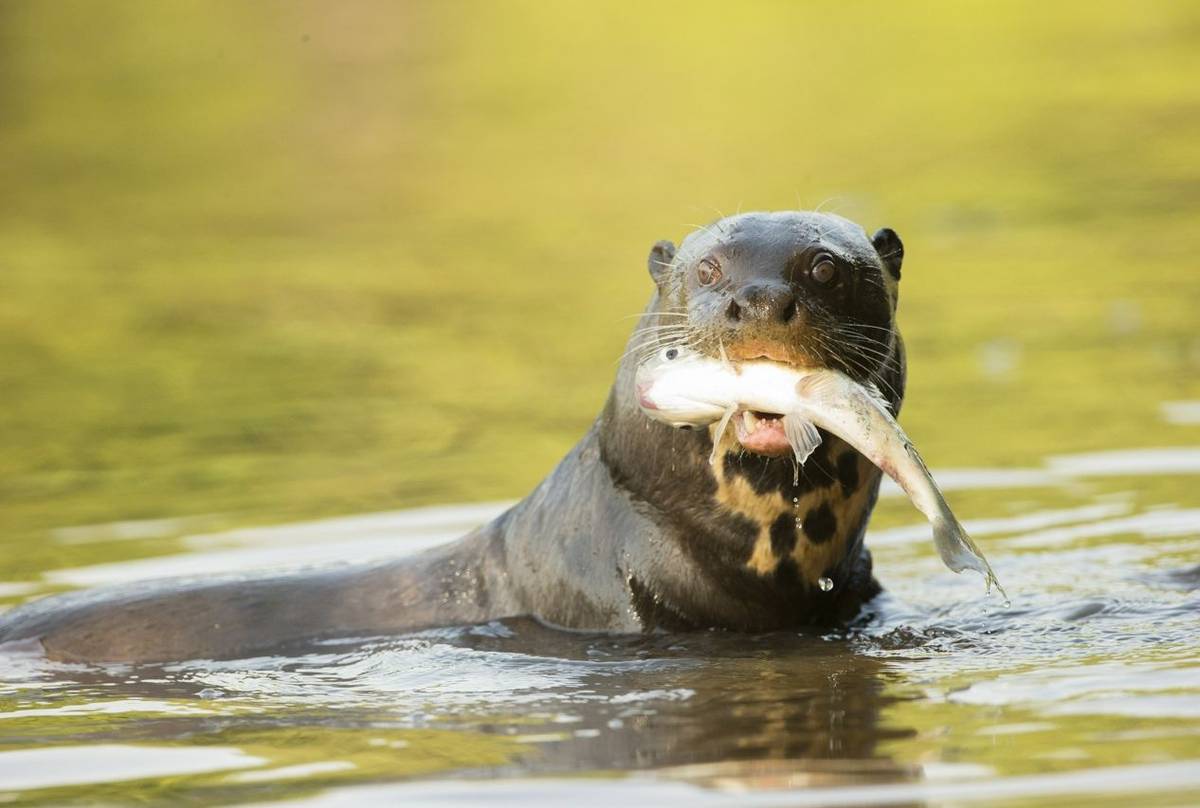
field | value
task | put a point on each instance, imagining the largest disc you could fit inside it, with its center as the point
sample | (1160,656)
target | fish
(682,387)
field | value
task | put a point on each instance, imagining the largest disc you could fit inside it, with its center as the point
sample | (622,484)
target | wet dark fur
(634,530)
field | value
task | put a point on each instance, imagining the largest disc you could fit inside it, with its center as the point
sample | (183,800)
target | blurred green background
(275,260)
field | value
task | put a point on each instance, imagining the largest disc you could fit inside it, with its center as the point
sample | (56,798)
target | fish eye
(709,272)
(823,271)
(671,353)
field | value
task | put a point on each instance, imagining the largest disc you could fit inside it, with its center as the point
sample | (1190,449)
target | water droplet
(795,500)
(825,584)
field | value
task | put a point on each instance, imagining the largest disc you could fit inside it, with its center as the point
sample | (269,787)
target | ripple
(1183,776)
(1101,688)
(27,769)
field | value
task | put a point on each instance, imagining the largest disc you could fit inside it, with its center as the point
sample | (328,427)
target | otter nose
(764,302)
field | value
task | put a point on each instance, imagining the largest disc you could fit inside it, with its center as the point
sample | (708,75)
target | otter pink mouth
(761,432)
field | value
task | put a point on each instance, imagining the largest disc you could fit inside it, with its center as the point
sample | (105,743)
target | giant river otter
(634,530)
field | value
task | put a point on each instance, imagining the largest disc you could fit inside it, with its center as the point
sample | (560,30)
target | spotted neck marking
(807,525)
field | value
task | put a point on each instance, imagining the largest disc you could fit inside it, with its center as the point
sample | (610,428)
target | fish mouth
(642,390)
(761,432)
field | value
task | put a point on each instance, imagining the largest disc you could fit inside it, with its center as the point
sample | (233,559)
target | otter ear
(890,249)
(659,262)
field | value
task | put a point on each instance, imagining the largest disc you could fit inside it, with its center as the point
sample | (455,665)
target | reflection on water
(1102,787)
(1088,684)
(30,769)
(548,702)
(362,538)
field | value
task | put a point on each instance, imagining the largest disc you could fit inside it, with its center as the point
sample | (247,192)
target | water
(1086,687)
(277,276)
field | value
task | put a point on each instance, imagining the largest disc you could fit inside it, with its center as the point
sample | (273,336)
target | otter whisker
(869,353)
(875,377)
(860,338)
(643,352)
(668,324)
(652,329)
(647,347)
(869,345)
(854,324)
(826,200)
(648,355)
(867,279)
(656,314)
(652,341)
(870,350)
(879,381)
(856,364)
(707,230)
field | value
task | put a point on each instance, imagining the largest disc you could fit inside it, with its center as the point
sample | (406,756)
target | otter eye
(709,272)
(671,353)
(824,271)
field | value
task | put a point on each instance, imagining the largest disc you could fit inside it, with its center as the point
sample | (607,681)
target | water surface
(280,283)
(1086,685)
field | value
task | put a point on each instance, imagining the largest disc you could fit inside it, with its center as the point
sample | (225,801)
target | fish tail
(959,552)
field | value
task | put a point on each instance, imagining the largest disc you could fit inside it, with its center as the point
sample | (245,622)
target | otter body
(634,530)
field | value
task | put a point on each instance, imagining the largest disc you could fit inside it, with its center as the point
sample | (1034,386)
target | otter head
(807,289)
